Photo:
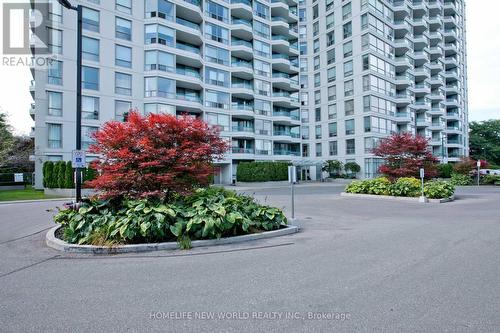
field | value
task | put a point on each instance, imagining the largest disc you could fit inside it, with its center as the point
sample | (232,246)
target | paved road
(385,266)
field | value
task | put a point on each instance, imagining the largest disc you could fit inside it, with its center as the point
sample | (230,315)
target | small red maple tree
(404,155)
(155,156)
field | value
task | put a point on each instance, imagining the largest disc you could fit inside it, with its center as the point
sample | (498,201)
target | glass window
(123,84)
(90,107)
(332,130)
(217,99)
(330,20)
(124,6)
(346,11)
(159,87)
(262,49)
(332,111)
(159,8)
(348,88)
(90,48)
(350,147)
(217,33)
(87,136)
(319,150)
(216,55)
(349,107)
(348,68)
(54,135)
(123,28)
(90,19)
(333,148)
(262,68)
(159,34)
(349,127)
(90,78)
(261,29)
(55,72)
(216,11)
(123,56)
(55,42)
(331,74)
(347,49)
(122,109)
(55,103)
(261,10)
(332,93)
(216,77)
(159,60)
(330,56)
(347,29)
(159,108)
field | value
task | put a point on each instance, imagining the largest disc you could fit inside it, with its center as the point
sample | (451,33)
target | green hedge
(60,174)
(445,170)
(262,171)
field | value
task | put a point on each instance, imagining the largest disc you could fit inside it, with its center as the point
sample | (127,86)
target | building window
(87,136)
(217,99)
(217,55)
(330,21)
(90,78)
(332,111)
(54,135)
(216,77)
(346,11)
(55,42)
(316,46)
(317,132)
(319,149)
(317,97)
(330,38)
(159,60)
(305,150)
(348,69)
(159,87)
(90,107)
(55,103)
(123,56)
(350,147)
(317,114)
(217,33)
(347,29)
(124,6)
(332,130)
(331,74)
(332,93)
(349,107)
(90,49)
(123,29)
(333,148)
(347,48)
(316,62)
(55,13)
(159,8)
(90,19)
(122,109)
(305,132)
(348,88)
(55,72)
(159,34)
(261,49)
(330,56)
(349,127)
(123,84)
(261,10)
(317,80)
(216,11)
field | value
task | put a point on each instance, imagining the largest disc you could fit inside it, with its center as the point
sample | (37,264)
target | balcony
(32,111)
(237,150)
(285,152)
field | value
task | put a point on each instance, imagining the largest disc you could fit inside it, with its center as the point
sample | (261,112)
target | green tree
(485,141)
(68,177)
(61,177)
(6,138)
(333,167)
(48,174)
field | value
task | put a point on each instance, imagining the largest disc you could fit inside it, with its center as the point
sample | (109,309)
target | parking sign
(78,159)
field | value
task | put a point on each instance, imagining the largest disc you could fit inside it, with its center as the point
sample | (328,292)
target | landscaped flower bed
(206,214)
(402,187)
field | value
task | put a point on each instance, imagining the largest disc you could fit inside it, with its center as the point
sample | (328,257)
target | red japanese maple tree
(404,155)
(155,156)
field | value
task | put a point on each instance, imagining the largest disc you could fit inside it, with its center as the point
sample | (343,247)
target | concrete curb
(388,197)
(58,244)
(33,201)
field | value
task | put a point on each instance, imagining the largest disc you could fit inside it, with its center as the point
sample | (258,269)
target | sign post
(478,170)
(292,179)
(422,198)
(78,162)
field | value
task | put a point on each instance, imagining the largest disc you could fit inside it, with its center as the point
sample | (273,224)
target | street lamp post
(66,4)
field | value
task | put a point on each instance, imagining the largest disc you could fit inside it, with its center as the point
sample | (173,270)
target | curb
(391,198)
(33,201)
(60,245)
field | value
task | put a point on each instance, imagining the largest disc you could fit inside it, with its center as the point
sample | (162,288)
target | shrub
(69,181)
(48,169)
(404,155)
(460,179)
(406,187)
(333,167)
(61,176)
(54,180)
(438,189)
(352,167)
(466,166)
(262,171)
(445,170)
(490,179)
(154,156)
(207,213)
(357,186)
(379,186)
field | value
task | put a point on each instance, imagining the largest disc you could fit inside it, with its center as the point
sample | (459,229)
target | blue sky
(483,29)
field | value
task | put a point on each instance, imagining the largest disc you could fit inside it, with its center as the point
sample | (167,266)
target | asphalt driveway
(357,266)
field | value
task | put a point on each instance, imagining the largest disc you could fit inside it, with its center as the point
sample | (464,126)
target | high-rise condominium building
(368,68)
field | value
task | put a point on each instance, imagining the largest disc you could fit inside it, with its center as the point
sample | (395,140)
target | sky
(483,44)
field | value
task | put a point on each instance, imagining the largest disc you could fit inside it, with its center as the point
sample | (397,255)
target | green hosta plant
(406,187)
(379,186)
(438,189)
(358,187)
(460,180)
